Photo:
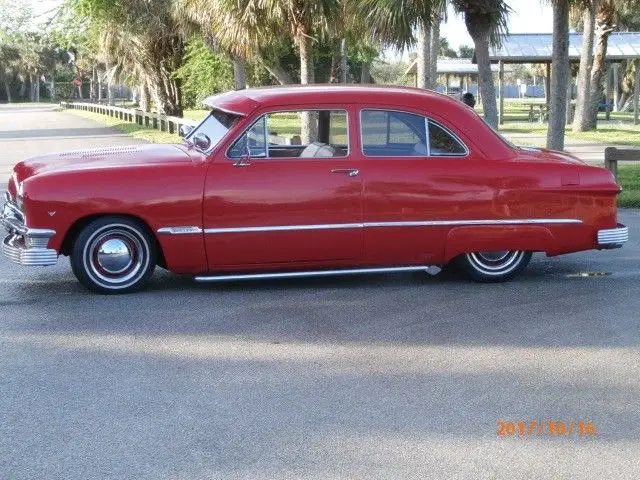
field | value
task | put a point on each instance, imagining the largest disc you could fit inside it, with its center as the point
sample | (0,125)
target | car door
(420,179)
(287,192)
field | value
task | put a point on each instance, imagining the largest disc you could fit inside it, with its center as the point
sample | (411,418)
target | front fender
(160,196)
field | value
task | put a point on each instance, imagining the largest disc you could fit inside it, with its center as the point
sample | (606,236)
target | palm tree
(243,25)
(396,23)
(580,118)
(485,20)
(145,35)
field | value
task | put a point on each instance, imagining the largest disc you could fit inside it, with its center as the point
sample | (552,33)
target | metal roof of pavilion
(453,66)
(537,47)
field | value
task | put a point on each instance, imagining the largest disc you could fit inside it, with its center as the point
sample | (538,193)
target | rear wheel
(494,266)
(113,255)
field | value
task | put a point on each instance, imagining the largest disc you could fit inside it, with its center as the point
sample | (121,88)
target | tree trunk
(94,83)
(423,66)
(145,97)
(239,73)
(99,87)
(306,59)
(434,50)
(580,119)
(308,128)
(604,26)
(7,89)
(561,69)
(478,26)
(53,85)
(365,73)
(334,71)
(109,85)
(276,71)
(344,66)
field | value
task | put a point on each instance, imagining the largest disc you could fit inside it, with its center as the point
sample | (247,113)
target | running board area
(430,269)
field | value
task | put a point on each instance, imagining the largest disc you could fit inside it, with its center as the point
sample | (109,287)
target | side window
(443,143)
(295,134)
(390,133)
(253,142)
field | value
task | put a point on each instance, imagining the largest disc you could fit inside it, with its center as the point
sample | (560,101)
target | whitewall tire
(114,255)
(494,266)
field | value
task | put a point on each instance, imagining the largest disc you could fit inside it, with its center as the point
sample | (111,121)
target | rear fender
(497,237)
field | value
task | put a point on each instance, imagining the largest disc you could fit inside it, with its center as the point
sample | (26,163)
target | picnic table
(537,110)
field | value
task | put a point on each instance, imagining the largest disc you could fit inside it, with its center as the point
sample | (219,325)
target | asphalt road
(399,376)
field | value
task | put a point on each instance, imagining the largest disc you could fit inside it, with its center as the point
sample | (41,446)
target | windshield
(214,126)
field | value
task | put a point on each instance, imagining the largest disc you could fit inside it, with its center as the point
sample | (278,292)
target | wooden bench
(613,155)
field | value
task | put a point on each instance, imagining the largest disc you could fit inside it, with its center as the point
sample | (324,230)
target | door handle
(352,172)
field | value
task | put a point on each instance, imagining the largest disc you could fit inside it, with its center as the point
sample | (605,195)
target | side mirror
(185,130)
(201,141)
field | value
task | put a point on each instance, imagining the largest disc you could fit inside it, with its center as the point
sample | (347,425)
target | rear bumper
(613,237)
(25,246)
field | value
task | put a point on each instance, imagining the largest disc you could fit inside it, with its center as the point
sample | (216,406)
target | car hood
(99,158)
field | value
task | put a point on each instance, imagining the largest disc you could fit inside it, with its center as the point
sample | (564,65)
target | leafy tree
(203,73)
(445,50)
(465,51)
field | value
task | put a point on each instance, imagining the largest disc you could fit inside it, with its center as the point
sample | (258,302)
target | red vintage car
(310,180)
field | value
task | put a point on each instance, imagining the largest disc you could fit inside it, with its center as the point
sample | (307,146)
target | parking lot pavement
(33,129)
(397,376)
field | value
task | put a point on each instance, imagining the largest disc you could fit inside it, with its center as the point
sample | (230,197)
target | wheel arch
(478,238)
(74,230)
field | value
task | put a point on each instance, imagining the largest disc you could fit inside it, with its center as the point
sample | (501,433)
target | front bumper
(613,237)
(25,246)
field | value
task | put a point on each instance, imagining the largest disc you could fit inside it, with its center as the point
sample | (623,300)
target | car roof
(451,112)
(243,102)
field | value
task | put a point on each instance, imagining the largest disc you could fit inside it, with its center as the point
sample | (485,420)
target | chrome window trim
(427,120)
(426,223)
(456,137)
(342,109)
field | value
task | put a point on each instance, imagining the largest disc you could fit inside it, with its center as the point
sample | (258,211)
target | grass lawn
(133,129)
(629,178)
(615,134)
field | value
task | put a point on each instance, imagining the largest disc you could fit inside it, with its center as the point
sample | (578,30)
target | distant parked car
(310,180)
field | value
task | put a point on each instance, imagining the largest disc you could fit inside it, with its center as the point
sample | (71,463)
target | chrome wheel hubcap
(116,256)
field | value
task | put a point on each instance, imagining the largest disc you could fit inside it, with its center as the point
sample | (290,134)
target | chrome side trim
(182,230)
(613,237)
(279,228)
(312,273)
(445,223)
(427,223)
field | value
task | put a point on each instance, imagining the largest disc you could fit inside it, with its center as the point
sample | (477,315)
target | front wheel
(113,255)
(495,266)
